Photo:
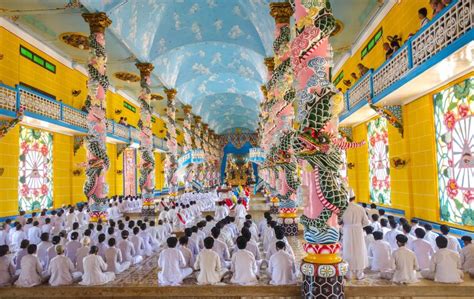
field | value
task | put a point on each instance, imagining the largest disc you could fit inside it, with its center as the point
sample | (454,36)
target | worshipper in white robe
(369,237)
(353,244)
(113,258)
(380,256)
(281,266)
(7,269)
(384,225)
(445,264)
(95,269)
(406,229)
(422,249)
(192,245)
(61,269)
(220,248)
(172,265)
(20,254)
(373,210)
(51,250)
(414,225)
(47,227)
(128,250)
(262,224)
(243,265)
(403,262)
(467,255)
(279,236)
(240,212)
(82,253)
(150,246)
(269,234)
(71,218)
(137,242)
(34,233)
(391,236)
(162,232)
(21,218)
(31,273)
(187,254)
(4,234)
(453,242)
(208,264)
(252,246)
(42,250)
(430,235)
(72,247)
(18,235)
(375,222)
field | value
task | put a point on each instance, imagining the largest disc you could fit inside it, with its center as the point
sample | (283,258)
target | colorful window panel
(379,162)
(130,171)
(454,125)
(35,183)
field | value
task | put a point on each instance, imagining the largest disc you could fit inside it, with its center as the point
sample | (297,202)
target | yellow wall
(401,20)
(9,152)
(414,188)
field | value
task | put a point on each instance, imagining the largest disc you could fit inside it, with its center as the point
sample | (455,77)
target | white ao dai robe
(31,272)
(113,257)
(353,243)
(405,264)
(94,271)
(172,265)
(467,257)
(380,255)
(7,271)
(445,267)
(281,268)
(209,264)
(244,268)
(423,252)
(62,271)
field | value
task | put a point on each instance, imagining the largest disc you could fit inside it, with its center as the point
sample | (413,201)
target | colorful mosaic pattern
(35,183)
(454,124)
(130,172)
(379,162)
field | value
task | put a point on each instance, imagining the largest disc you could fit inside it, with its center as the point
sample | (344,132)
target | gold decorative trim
(156,97)
(338,29)
(127,77)
(77,40)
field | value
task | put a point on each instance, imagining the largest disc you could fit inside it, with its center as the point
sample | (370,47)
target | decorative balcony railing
(454,23)
(50,110)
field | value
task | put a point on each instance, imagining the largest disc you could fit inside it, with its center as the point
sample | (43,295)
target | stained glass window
(454,124)
(379,163)
(35,183)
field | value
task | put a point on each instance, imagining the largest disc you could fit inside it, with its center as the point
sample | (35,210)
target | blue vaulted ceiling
(211,51)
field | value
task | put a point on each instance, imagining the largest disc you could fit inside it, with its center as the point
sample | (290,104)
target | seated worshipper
(404,262)
(17,237)
(430,235)
(4,234)
(61,269)
(42,250)
(375,223)
(82,253)
(240,212)
(21,253)
(187,254)
(161,232)
(188,232)
(208,264)
(113,258)
(243,265)
(52,250)
(281,266)
(372,210)
(467,255)
(150,246)
(95,269)
(445,265)
(406,229)
(384,226)
(252,246)
(453,243)
(262,224)
(279,236)
(369,237)
(269,234)
(7,269)
(380,257)
(220,248)
(72,247)
(422,249)
(71,218)
(31,273)
(391,236)
(414,225)
(128,250)
(137,242)
(34,233)
(172,265)
(221,211)
(197,236)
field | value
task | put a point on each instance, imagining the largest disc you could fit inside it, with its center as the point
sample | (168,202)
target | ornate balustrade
(454,23)
(50,110)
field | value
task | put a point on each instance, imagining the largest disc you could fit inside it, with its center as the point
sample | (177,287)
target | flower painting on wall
(379,163)
(130,172)
(454,124)
(35,183)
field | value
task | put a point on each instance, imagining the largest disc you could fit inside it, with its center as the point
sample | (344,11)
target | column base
(290,226)
(274,209)
(323,281)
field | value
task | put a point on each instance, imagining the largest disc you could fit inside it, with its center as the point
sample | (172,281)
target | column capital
(97,21)
(281,12)
(170,93)
(187,109)
(264,90)
(145,68)
(197,119)
(205,127)
(270,63)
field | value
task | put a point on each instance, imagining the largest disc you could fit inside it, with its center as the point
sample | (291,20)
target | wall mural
(454,124)
(35,183)
(130,172)
(379,162)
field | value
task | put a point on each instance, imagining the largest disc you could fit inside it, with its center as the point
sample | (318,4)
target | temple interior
(335,138)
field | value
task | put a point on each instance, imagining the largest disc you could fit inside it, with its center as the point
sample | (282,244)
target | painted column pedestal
(323,271)
(289,224)
(274,206)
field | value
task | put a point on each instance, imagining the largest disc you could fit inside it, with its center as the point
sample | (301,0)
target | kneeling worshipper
(128,250)
(422,249)
(404,262)
(243,265)
(209,264)
(467,255)
(31,273)
(281,266)
(172,265)
(7,269)
(61,269)
(95,269)
(445,264)
(380,254)
(113,258)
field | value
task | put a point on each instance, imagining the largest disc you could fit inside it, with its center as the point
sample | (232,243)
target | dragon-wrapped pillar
(325,197)
(188,142)
(95,188)
(171,163)
(147,161)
